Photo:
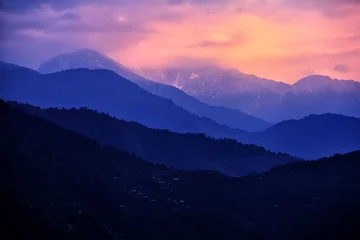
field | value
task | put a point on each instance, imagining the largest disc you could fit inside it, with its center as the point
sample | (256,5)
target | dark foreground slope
(56,184)
(183,151)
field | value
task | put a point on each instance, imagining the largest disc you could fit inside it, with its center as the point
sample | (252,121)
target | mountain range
(237,95)
(102,90)
(73,169)
(105,91)
(90,59)
(57,184)
(263,98)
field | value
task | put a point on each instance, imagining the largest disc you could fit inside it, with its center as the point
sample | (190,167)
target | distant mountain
(230,117)
(212,80)
(182,151)
(57,184)
(319,83)
(224,87)
(236,92)
(263,98)
(86,58)
(320,95)
(66,89)
(105,91)
(313,136)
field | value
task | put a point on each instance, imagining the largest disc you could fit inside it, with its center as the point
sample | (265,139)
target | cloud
(329,8)
(214,40)
(210,44)
(318,4)
(191,62)
(45,28)
(296,66)
(278,39)
(53,22)
(341,68)
(28,5)
(176,2)
(69,16)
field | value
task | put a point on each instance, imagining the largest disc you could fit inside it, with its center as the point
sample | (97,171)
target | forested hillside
(57,184)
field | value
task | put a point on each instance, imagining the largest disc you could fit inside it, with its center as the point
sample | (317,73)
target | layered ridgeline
(57,184)
(104,91)
(312,137)
(90,59)
(263,98)
(232,91)
(183,151)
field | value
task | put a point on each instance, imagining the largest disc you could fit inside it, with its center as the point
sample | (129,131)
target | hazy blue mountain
(224,87)
(317,94)
(182,151)
(57,184)
(212,80)
(105,91)
(263,98)
(125,100)
(86,58)
(230,117)
(313,136)
(319,83)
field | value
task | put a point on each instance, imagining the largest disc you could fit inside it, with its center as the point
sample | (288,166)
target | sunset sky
(278,39)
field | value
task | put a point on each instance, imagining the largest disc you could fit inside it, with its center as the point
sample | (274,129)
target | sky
(283,40)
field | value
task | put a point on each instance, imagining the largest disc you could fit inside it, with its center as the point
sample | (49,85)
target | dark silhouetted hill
(312,137)
(184,151)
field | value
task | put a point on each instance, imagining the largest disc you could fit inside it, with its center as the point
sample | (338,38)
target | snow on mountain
(318,83)
(263,98)
(212,81)
(85,58)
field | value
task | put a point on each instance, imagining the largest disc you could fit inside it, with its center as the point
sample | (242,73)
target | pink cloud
(278,39)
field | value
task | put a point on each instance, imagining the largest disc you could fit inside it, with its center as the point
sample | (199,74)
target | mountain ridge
(66,89)
(84,87)
(266,99)
(259,97)
(234,118)
(313,136)
(163,147)
(309,138)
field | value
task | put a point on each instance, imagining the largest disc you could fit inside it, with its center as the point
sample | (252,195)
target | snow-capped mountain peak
(86,58)
(320,83)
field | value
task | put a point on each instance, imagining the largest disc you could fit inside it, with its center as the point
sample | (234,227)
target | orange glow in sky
(283,40)
(277,42)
